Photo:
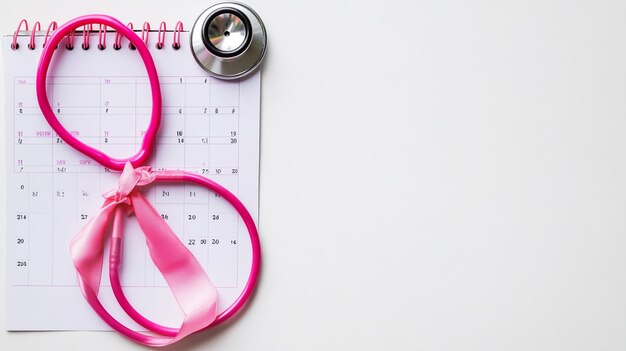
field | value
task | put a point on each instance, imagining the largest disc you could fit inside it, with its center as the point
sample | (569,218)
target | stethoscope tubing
(161,176)
(256,256)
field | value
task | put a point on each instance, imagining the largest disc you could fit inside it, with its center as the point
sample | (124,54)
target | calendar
(209,127)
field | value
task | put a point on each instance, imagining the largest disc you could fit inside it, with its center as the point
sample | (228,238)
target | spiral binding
(145,29)
(53,26)
(102,31)
(86,30)
(177,30)
(36,27)
(161,36)
(14,44)
(102,38)
(118,39)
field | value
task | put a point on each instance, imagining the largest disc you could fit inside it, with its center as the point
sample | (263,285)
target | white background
(435,175)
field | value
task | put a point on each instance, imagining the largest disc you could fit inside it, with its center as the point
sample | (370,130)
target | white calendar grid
(60,188)
(103,98)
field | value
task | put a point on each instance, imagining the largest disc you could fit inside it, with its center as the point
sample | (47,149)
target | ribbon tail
(87,247)
(192,288)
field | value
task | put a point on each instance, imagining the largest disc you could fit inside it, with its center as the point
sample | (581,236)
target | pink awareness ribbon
(192,288)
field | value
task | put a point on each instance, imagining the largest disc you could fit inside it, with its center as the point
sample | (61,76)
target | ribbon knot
(129,180)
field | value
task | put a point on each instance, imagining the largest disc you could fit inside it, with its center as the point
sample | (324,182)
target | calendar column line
(145,248)
(208,166)
(211,199)
(28,232)
(52,201)
(238,178)
(183,234)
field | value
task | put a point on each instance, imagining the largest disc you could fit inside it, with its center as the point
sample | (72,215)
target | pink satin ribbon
(192,288)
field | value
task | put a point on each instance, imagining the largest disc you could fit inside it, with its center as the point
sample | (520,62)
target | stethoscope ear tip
(228,40)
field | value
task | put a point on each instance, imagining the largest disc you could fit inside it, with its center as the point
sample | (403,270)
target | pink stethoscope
(189,283)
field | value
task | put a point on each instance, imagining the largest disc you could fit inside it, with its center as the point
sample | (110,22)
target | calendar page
(209,126)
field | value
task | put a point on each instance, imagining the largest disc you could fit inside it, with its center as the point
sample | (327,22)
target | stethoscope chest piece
(228,40)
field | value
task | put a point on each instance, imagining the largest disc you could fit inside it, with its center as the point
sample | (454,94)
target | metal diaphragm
(228,40)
